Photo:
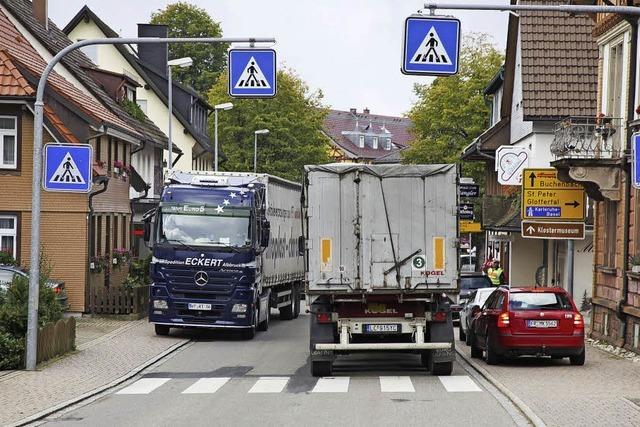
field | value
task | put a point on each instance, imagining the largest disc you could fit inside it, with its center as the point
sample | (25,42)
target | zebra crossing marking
(459,383)
(143,386)
(396,385)
(331,385)
(206,386)
(269,385)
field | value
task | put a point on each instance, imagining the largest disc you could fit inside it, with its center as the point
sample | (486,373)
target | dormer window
(130,93)
(375,142)
(387,144)
(361,141)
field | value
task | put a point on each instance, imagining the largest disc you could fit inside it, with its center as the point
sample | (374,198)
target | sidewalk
(601,392)
(106,350)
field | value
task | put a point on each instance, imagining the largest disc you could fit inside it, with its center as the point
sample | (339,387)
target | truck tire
(286,312)
(162,330)
(321,368)
(264,325)
(296,302)
(440,368)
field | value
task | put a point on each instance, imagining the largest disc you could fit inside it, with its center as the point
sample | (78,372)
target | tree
(451,112)
(186,20)
(294,119)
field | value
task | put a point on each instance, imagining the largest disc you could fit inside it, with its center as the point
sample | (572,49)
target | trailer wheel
(287,312)
(321,368)
(425,358)
(441,368)
(162,330)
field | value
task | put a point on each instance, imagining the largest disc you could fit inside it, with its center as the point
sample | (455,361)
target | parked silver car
(475,301)
(7,273)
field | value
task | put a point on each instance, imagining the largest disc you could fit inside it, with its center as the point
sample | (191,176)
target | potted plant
(634,260)
(97,264)
(120,255)
(117,166)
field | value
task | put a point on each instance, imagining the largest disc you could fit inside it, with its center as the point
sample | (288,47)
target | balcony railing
(588,138)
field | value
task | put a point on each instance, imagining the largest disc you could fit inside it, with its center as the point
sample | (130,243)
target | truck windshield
(206,227)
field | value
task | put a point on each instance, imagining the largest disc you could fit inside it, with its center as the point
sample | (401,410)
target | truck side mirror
(265,233)
(301,247)
(147,232)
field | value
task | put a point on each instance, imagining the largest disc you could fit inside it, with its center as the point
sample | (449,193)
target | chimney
(365,111)
(352,110)
(153,55)
(41,12)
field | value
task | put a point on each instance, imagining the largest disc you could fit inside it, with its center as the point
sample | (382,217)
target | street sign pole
(34,256)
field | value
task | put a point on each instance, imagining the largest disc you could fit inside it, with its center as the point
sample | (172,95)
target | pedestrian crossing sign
(431,45)
(252,73)
(68,167)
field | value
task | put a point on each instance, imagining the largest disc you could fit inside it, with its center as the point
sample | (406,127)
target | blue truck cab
(210,238)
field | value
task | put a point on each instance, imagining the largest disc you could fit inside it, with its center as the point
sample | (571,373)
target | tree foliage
(451,112)
(294,119)
(187,20)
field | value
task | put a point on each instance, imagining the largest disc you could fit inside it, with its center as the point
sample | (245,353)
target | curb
(37,416)
(526,411)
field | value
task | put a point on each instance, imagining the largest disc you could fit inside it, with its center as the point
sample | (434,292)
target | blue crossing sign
(635,163)
(252,73)
(68,167)
(431,45)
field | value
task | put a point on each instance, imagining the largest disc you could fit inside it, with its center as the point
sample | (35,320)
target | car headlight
(160,304)
(239,308)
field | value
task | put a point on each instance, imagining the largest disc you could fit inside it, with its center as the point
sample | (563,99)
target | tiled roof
(25,54)
(338,121)
(559,64)
(59,126)
(12,83)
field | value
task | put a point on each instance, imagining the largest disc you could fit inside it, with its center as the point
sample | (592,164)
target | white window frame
(8,132)
(5,232)
(387,144)
(375,142)
(361,141)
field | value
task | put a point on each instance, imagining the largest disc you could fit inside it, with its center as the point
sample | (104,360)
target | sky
(349,49)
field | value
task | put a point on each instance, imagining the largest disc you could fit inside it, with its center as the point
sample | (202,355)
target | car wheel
(476,352)
(578,360)
(463,336)
(162,330)
(467,341)
(491,357)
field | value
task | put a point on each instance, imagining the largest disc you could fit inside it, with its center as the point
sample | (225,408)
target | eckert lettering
(203,262)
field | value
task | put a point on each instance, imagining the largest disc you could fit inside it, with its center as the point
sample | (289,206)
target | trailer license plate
(542,323)
(199,306)
(393,328)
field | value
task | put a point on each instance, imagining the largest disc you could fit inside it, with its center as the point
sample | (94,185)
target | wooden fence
(57,338)
(117,300)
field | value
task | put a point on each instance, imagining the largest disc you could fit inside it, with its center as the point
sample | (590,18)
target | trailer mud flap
(442,332)
(320,333)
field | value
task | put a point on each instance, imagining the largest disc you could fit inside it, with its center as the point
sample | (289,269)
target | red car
(528,321)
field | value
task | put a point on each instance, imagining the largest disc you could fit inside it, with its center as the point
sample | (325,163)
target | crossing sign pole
(431,45)
(252,73)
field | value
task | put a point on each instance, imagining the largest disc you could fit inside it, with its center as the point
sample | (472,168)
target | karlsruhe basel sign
(551,209)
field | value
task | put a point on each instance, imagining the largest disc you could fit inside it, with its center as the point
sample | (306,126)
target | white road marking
(144,386)
(269,385)
(459,383)
(332,385)
(396,384)
(206,386)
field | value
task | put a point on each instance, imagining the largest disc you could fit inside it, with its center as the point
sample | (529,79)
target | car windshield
(538,301)
(474,282)
(205,226)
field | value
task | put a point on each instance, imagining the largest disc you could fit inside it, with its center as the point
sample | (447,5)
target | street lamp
(225,106)
(255,147)
(182,63)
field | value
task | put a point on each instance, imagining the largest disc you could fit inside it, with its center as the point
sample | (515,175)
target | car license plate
(542,323)
(199,306)
(393,328)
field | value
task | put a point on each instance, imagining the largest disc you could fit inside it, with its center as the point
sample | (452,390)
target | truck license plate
(199,306)
(393,328)
(542,323)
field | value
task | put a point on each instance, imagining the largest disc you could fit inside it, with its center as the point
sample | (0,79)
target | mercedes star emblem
(201,278)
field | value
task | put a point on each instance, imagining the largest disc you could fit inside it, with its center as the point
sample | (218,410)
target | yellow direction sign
(544,197)
(470,227)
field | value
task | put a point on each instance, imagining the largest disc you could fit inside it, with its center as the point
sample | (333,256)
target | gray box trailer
(381,250)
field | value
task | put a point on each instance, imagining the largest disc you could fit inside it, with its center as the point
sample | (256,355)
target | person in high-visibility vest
(496,274)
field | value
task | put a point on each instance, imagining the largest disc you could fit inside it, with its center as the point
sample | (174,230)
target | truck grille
(182,281)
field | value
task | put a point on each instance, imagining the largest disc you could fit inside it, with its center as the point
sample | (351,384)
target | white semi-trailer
(380,254)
